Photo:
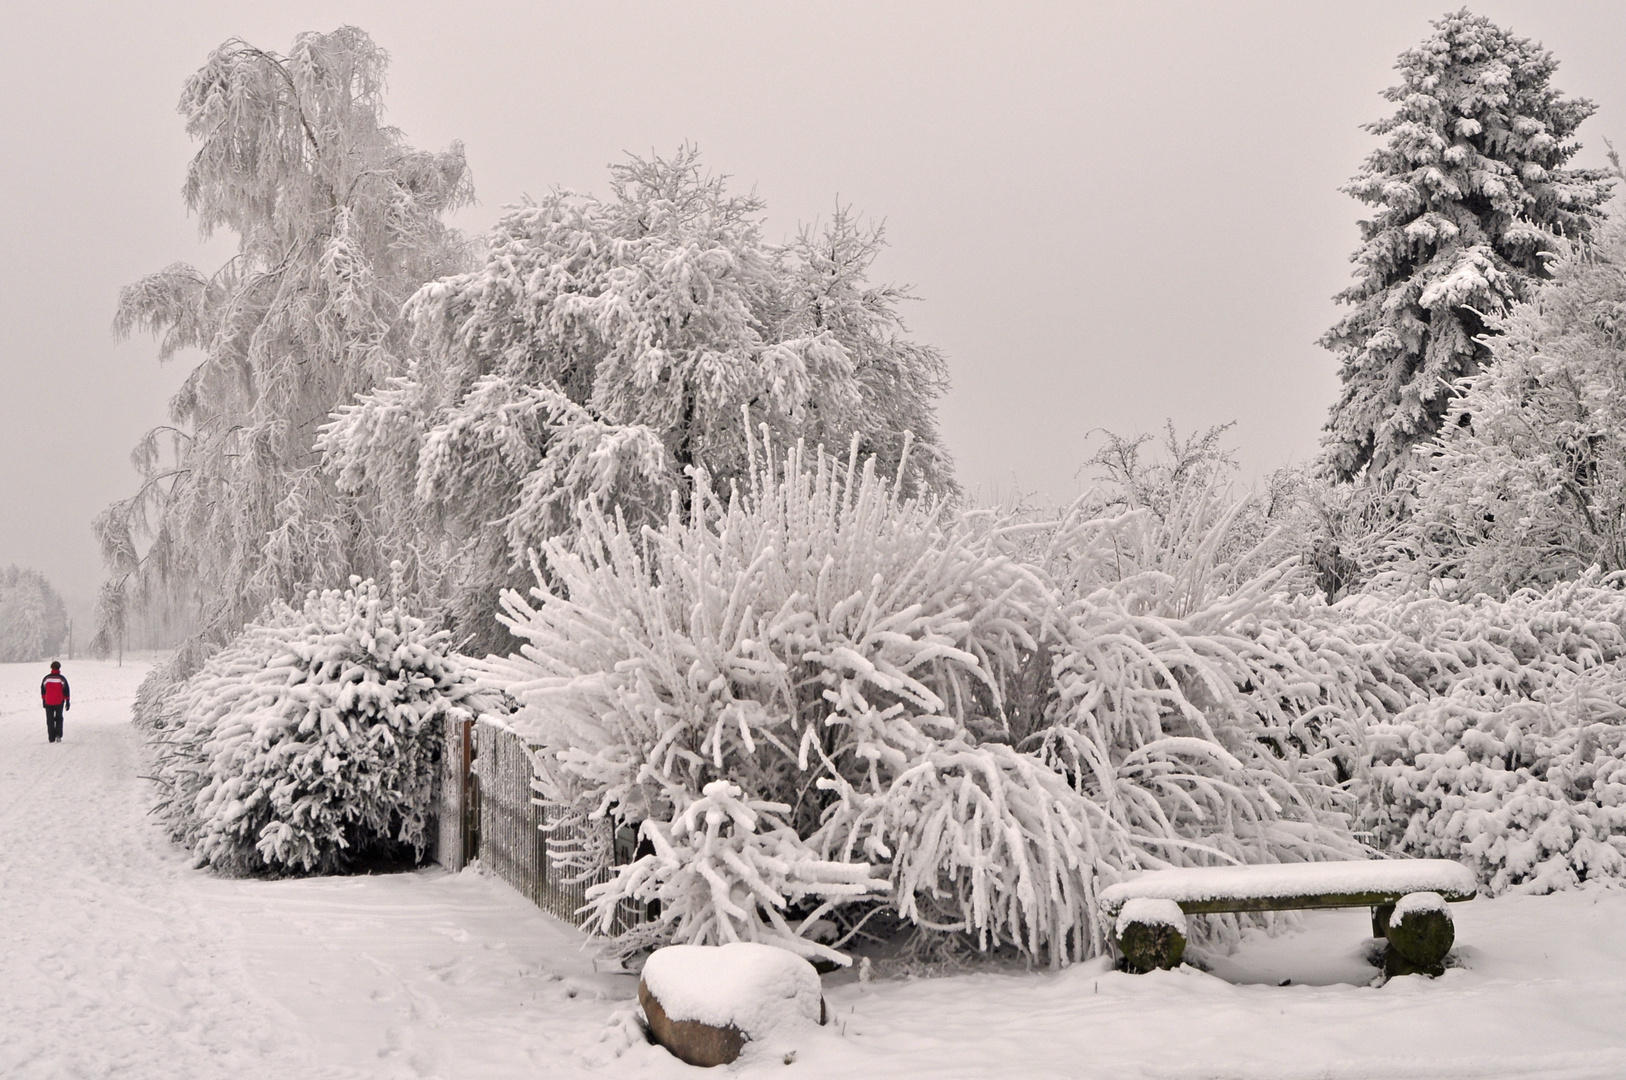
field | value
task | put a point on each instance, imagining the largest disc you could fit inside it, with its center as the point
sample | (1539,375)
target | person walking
(54,696)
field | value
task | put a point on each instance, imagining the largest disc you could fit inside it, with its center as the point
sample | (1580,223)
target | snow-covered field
(118,960)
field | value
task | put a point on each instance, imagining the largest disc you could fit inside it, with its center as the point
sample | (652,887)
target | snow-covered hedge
(310,741)
(887,684)
(1511,754)
(816,698)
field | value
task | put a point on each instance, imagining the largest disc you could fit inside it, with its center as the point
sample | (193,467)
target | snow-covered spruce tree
(1527,485)
(338,221)
(608,346)
(885,684)
(1471,199)
(311,742)
(33,620)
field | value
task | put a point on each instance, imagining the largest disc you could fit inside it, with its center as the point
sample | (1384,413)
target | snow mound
(1150,912)
(754,987)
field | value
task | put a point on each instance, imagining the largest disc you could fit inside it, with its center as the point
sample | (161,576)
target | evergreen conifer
(1472,201)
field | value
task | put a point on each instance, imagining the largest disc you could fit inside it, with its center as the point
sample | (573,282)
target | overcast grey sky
(1113,213)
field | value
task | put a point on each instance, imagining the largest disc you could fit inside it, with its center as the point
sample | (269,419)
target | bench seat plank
(1291,886)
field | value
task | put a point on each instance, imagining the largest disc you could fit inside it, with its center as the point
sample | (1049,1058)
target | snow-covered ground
(118,960)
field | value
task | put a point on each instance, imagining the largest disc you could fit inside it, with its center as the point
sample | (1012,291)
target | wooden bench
(1407,898)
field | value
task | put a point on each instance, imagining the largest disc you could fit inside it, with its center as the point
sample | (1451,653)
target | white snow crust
(1206,883)
(1144,909)
(755,987)
(1418,901)
(119,960)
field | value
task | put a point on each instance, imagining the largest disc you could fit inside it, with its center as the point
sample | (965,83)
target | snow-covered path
(119,960)
(108,960)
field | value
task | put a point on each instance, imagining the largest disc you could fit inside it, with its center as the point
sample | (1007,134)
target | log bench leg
(1151,946)
(1380,920)
(1151,934)
(1419,938)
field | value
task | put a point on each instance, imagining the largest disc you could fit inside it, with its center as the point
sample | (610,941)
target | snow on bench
(1208,890)
(1407,898)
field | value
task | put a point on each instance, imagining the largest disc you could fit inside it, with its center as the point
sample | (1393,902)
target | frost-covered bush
(312,740)
(727,869)
(1511,755)
(1492,730)
(991,735)
(1526,483)
(1229,717)
(808,641)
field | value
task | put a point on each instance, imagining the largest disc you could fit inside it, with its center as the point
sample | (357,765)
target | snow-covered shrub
(158,693)
(1511,756)
(1484,731)
(985,840)
(1201,707)
(726,869)
(312,740)
(810,641)
(991,737)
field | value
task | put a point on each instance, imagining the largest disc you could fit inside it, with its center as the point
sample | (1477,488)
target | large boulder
(705,1002)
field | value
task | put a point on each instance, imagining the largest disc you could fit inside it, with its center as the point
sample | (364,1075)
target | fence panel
(511,843)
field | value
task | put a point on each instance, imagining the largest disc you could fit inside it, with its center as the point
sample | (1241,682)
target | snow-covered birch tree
(608,348)
(338,221)
(1471,199)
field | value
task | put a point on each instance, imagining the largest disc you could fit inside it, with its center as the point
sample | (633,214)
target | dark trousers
(53,723)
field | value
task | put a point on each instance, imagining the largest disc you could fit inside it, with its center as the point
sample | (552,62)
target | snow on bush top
(312,739)
(754,987)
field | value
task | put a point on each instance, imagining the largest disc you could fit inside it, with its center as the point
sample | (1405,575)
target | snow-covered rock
(705,1002)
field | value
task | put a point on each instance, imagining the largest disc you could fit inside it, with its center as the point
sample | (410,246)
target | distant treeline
(33,619)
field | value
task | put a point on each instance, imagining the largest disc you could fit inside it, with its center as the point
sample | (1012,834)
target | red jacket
(54,689)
